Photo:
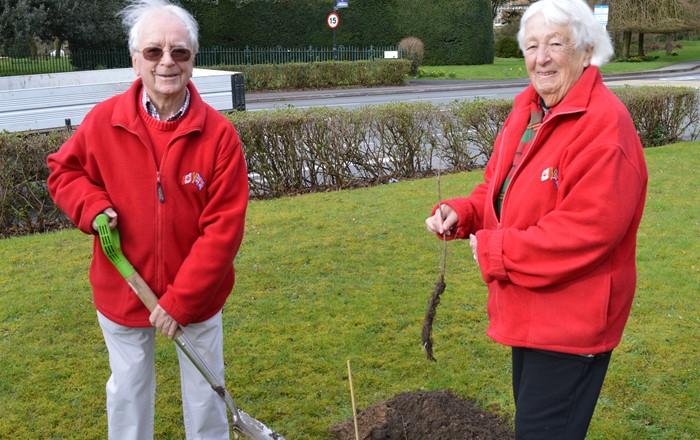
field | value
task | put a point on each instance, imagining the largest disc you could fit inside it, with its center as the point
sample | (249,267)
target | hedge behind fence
(293,151)
(316,75)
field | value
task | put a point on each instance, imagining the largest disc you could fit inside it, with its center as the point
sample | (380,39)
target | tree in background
(507,6)
(22,22)
(453,31)
(652,16)
(84,24)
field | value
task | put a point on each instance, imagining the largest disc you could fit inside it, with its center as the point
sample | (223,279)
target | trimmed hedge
(293,151)
(25,204)
(326,74)
(455,32)
(663,115)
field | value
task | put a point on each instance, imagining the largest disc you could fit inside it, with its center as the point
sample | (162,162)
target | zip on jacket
(559,263)
(180,226)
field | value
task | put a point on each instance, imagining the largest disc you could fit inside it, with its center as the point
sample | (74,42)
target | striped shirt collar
(153,111)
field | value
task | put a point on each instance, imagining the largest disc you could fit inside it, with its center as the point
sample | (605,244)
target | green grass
(28,66)
(504,68)
(323,278)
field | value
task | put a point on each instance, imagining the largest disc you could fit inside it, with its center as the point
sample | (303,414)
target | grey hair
(135,15)
(578,16)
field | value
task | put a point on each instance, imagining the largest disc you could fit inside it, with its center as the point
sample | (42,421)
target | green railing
(22,64)
(282,55)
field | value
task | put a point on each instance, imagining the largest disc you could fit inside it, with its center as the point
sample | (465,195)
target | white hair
(135,15)
(578,16)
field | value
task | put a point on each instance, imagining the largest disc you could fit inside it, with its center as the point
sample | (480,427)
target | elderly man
(553,226)
(169,170)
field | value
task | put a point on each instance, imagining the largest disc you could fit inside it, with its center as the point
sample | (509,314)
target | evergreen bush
(454,32)
(507,47)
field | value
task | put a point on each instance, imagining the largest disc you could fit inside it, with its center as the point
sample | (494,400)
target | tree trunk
(31,45)
(669,44)
(626,42)
(58,45)
(640,48)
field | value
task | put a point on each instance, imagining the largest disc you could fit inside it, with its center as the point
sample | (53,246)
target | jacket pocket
(563,317)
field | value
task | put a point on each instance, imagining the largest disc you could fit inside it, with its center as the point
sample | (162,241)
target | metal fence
(282,55)
(22,64)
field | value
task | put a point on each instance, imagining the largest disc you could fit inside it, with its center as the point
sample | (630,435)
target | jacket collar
(126,110)
(575,101)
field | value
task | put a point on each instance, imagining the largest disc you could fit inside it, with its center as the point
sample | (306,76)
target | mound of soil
(435,415)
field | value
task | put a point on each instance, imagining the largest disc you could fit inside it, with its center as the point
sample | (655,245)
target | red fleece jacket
(182,241)
(560,263)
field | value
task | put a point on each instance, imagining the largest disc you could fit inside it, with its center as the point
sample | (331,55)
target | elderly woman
(169,169)
(553,226)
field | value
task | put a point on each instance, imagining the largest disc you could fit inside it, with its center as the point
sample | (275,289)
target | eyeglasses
(156,53)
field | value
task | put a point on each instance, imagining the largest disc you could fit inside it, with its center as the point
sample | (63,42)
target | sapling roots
(426,333)
(430,316)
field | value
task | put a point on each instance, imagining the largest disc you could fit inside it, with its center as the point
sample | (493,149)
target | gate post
(238,91)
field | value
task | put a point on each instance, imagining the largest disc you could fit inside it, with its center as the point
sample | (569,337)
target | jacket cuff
(463,219)
(89,215)
(168,304)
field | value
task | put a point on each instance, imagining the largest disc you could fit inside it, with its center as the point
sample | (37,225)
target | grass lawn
(330,277)
(504,68)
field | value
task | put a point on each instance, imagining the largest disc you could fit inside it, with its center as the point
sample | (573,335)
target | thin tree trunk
(640,48)
(626,42)
(669,44)
(31,45)
(58,45)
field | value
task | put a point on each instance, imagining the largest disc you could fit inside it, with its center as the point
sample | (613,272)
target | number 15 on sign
(333,20)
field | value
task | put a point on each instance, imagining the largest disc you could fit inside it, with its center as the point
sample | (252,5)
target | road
(54,105)
(405,94)
(440,92)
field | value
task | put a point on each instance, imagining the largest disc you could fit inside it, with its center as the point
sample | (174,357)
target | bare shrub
(292,151)
(25,204)
(469,130)
(663,115)
(412,48)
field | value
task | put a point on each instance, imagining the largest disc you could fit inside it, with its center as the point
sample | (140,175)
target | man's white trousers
(132,385)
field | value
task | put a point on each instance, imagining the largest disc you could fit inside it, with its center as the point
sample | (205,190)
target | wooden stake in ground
(352,400)
(426,333)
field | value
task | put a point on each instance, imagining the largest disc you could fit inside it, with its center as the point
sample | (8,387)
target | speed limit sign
(333,20)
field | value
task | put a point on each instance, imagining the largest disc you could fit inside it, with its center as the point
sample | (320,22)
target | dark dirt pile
(433,415)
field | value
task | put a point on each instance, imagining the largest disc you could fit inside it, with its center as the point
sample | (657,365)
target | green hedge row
(663,115)
(455,32)
(25,204)
(293,151)
(326,74)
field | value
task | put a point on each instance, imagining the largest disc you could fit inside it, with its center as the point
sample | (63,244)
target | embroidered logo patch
(550,174)
(195,179)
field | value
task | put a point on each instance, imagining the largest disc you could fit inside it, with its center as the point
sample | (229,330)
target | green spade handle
(111,246)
